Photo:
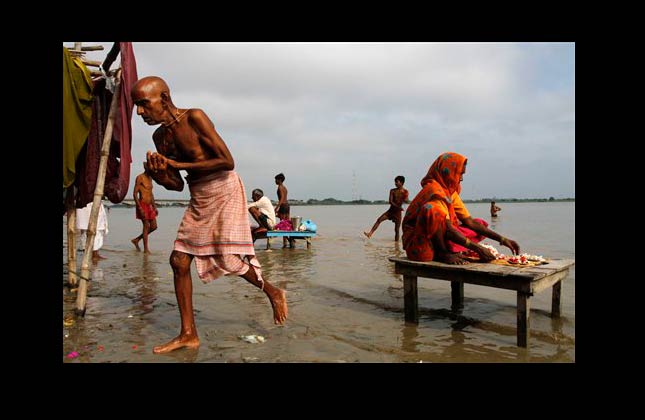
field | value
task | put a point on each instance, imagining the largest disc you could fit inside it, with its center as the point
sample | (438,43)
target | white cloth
(83,221)
(83,218)
(98,240)
(265,207)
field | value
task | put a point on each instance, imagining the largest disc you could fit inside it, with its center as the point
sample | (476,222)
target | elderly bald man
(215,230)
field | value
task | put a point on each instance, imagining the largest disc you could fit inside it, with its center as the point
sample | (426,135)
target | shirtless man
(215,230)
(282,209)
(494,209)
(146,209)
(398,196)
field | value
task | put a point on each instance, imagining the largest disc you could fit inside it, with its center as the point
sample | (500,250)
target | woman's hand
(485,254)
(511,244)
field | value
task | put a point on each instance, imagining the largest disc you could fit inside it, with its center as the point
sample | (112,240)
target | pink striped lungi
(215,228)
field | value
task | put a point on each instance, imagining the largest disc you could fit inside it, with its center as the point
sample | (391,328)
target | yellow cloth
(77,112)
(460,209)
(442,206)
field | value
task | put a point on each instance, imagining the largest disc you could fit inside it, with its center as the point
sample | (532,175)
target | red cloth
(468,233)
(283,225)
(146,212)
(117,178)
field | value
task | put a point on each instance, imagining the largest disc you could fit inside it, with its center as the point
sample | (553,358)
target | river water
(345,301)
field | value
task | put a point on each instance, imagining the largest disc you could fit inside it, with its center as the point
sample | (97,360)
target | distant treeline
(518,200)
(335,202)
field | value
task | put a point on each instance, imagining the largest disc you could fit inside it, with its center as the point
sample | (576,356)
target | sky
(342,120)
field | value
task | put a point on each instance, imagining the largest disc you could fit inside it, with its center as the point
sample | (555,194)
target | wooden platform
(526,281)
(291,236)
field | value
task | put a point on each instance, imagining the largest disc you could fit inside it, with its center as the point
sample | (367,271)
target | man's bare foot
(147,251)
(136,244)
(367,234)
(191,342)
(278,300)
(451,258)
(96,256)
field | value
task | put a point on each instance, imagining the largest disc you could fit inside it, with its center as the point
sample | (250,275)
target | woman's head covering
(446,171)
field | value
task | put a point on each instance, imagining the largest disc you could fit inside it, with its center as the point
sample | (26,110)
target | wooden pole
(71,224)
(96,204)
(71,238)
(92,63)
(92,48)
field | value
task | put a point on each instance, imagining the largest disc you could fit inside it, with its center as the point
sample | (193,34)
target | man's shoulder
(195,114)
(156,135)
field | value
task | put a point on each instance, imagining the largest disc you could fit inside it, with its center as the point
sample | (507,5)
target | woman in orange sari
(430,220)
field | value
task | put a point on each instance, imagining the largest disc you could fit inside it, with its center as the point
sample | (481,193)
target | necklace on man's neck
(176,117)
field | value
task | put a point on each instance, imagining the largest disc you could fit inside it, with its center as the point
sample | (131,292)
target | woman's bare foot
(451,258)
(191,342)
(278,300)
(135,242)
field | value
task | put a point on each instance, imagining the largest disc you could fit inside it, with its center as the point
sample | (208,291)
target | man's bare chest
(179,143)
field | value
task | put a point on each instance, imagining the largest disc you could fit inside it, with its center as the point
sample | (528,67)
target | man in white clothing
(83,221)
(263,213)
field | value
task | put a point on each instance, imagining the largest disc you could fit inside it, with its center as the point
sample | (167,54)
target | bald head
(151,85)
(151,97)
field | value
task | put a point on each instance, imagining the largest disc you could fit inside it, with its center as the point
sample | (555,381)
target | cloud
(321,112)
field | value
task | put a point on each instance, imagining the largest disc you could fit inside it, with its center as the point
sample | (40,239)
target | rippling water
(345,302)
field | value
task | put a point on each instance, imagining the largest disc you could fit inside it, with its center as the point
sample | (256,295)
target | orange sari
(424,225)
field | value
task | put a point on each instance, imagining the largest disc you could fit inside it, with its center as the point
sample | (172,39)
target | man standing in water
(215,229)
(282,209)
(146,209)
(494,209)
(398,196)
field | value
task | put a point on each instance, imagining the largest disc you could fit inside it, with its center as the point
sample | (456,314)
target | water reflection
(146,293)
(377,253)
(409,341)
(288,266)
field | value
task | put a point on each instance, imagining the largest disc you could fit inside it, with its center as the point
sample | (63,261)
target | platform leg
(308,242)
(457,293)
(410,299)
(523,319)
(556,304)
